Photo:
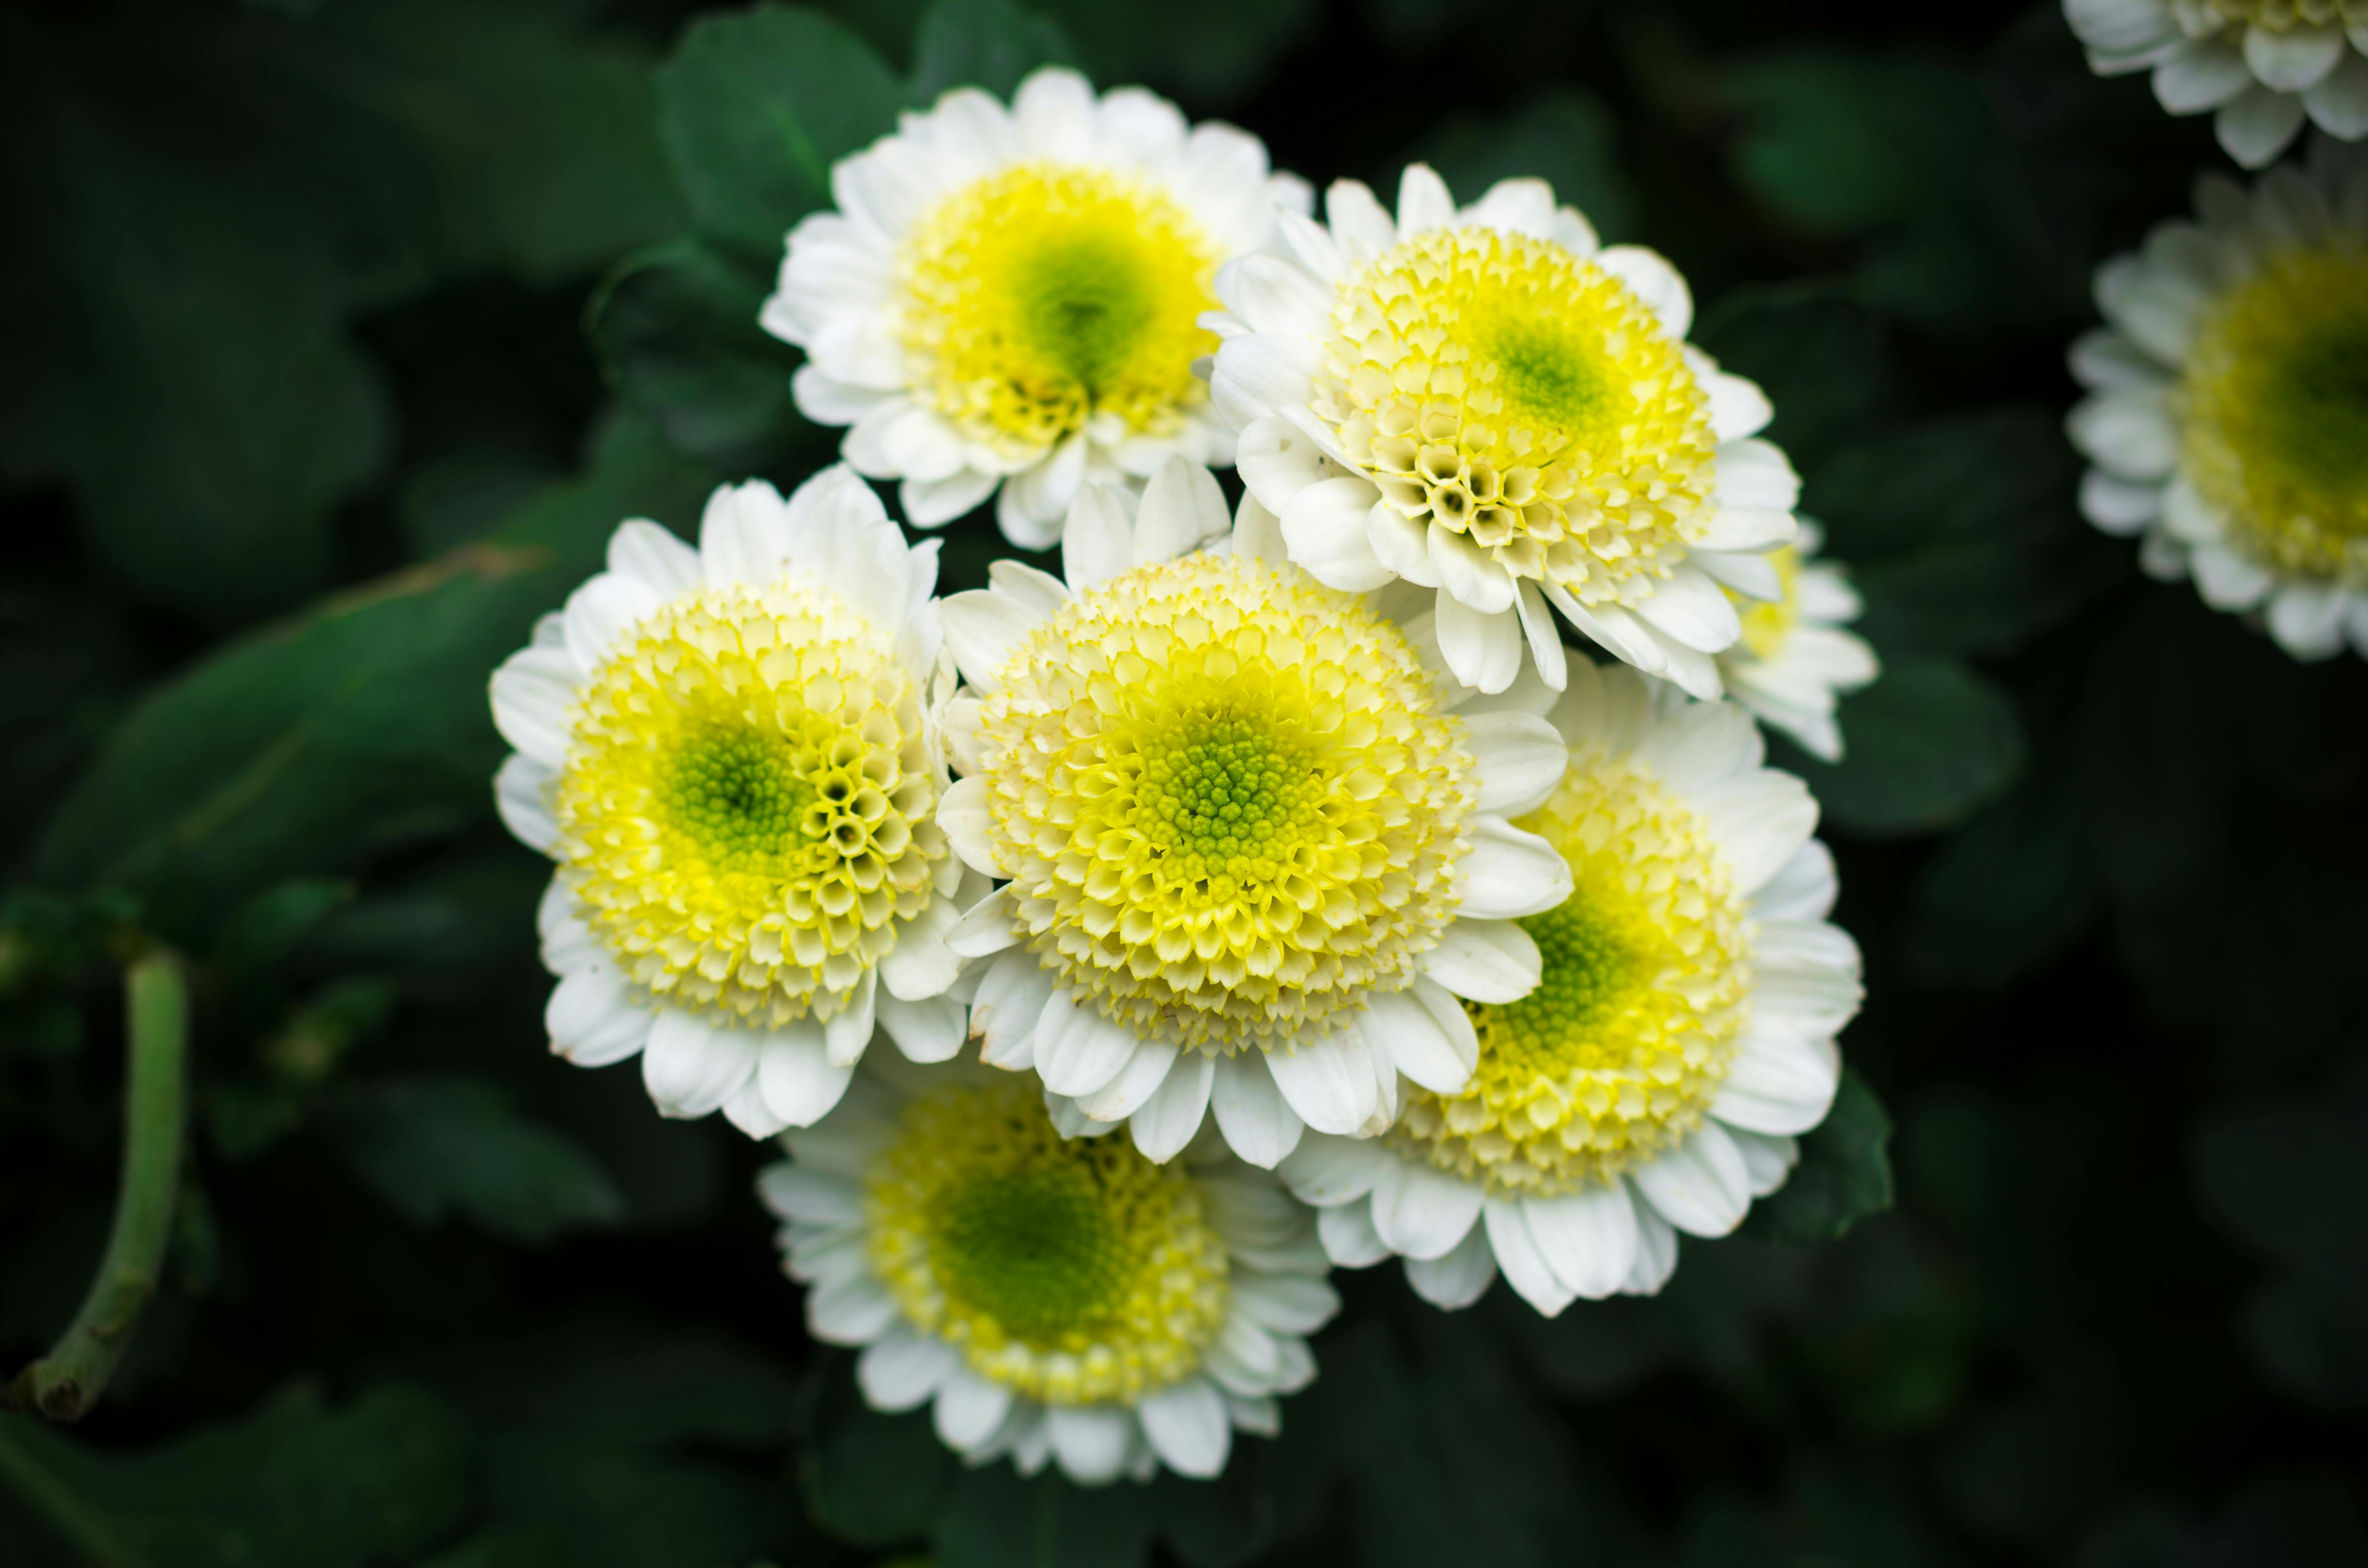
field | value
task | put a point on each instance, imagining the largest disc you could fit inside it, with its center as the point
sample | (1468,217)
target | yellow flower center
(1767,623)
(745,811)
(1228,799)
(1616,1054)
(1524,398)
(1074,1271)
(1041,298)
(2203,19)
(2275,406)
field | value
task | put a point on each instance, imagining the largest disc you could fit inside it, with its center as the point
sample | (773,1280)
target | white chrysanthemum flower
(1256,855)
(731,753)
(2264,65)
(1681,1035)
(1794,660)
(1012,296)
(1488,403)
(1055,1297)
(2228,412)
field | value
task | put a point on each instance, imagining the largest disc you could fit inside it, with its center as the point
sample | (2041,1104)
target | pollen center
(1228,798)
(1617,1053)
(744,811)
(1526,399)
(1044,296)
(1075,1271)
(2275,406)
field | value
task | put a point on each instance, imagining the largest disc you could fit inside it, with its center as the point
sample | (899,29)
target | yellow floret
(1074,1271)
(746,808)
(1228,799)
(1043,297)
(1528,400)
(1617,1053)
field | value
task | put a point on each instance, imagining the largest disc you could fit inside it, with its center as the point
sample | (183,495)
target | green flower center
(1224,796)
(742,798)
(1551,375)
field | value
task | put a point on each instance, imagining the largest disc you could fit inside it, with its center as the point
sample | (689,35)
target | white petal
(1422,1212)
(2228,581)
(934,503)
(522,800)
(743,534)
(1278,460)
(968,821)
(1090,1441)
(692,1067)
(794,1192)
(1521,758)
(930,1030)
(1700,1186)
(1077,1049)
(1426,1034)
(1524,206)
(1358,222)
(1738,408)
(1544,637)
(1011,997)
(1804,890)
(1186,1426)
(1516,1254)
(1756,476)
(969,1410)
(534,702)
(1782,1082)
(1659,285)
(593,1018)
(1509,873)
(2339,104)
(2290,58)
(1325,527)
(644,551)
(1168,1120)
(849,1312)
(1587,1237)
(2117,506)
(1488,961)
(2256,127)
(2127,432)
(1460,1277)
(1346,1233)
(1482,648)
(848,1031)
(988,927)
(1251,1113)
(1144,1071)
(1097,541)
(799,1080)
(2306,619)
(1760,819)
(1260,372)
(1656,1253)
(1423,200)
(902,1369)
(2200,76)
(981,631)
(1322,1084)
(1691,607)
(1183,509)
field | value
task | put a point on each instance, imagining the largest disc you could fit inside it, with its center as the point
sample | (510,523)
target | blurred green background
(341,332)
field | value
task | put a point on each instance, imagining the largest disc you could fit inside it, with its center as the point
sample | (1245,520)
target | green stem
(65,1383)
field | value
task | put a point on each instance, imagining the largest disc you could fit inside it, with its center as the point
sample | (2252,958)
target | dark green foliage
(343,332)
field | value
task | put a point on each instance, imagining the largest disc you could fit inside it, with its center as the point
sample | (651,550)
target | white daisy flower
(1682,1034)
(1012,296)
(1486,403)
(730,753)
(2262,64)
(1061,1298)
(2228,415)
(1794,660)
(1255,856)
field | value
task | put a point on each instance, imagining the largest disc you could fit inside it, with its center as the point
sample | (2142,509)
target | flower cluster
(1270,890)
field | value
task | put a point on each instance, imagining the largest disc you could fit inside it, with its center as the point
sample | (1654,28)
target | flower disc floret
(1525,398)
(2274,412)
(1228,799)
(1074,1271)
(1045,296)
(1616,1056)
(745,813)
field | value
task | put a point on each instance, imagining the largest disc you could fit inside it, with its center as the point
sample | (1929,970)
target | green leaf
(677,335)
(308,748)
(756,106)
(432,1147)
(1962,533)
(1843,1177)
(1562,135)
(1929,744)
(295,1486)
(178,363)
(990,44)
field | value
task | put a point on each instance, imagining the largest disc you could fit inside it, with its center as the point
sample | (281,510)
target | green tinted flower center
(1034,1250)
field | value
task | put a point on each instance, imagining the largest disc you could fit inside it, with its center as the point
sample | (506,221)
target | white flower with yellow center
(1488,403)
(2228,412)
(1255,856)
(1681,1035)
(1012,296)
(732,755)
(1054,1296)
(1794,660)
(2264,65)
